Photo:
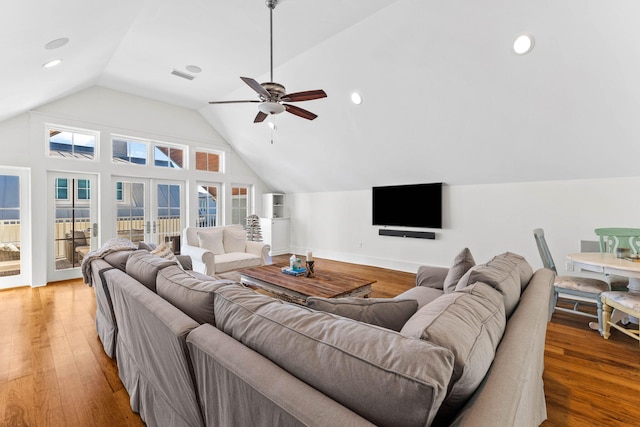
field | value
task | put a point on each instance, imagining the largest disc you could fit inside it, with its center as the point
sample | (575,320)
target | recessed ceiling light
(193,68)
(52,63)
(356,98)
(523,44)
(55,44)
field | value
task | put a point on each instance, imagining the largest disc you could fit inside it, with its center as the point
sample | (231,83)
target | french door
(73,230)
(149,210)
(14,228)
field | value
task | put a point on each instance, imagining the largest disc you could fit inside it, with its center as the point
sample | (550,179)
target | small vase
(310,272)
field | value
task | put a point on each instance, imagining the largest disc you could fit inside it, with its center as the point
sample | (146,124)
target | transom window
(208,161)
(127,151)
(75,144)
(168,157)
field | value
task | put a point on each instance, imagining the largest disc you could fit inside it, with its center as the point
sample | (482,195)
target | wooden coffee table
(296,289)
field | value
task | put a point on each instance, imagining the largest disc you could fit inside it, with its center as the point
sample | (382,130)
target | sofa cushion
(385,312)
(163,251)
(501,274)
(211,240)
(470,323)
(431,276)
(144,267)
(235,239)
(236,261)
(349,361)
(118,259)
(461,264)
(189,293)
(422,294)
(524,268)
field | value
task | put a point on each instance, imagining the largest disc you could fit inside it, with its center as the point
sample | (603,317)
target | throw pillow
(461,264)
(211,240)
(163,251)
(501,274)
(147,246)
(235,240)
(524,268)
(187,292)
(388,313)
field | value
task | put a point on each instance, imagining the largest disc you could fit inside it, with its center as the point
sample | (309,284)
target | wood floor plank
(53,370)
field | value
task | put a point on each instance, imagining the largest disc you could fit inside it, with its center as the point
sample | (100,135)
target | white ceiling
(445,97)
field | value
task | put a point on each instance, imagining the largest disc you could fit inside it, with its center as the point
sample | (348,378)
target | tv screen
(417,205)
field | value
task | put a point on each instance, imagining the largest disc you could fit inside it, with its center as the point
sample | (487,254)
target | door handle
(95,229)
(154,227)
(148,227)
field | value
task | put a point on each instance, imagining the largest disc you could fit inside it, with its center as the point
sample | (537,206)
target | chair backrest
(613,238)
(543,249)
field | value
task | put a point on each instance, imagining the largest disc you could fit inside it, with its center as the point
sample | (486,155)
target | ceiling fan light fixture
(271,107)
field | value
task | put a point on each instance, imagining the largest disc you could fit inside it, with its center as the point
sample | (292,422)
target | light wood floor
(53,371)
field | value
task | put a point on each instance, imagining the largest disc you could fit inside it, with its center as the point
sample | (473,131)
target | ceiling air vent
(183,75)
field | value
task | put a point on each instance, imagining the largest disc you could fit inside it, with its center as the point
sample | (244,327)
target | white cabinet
(273,205)
(275,232)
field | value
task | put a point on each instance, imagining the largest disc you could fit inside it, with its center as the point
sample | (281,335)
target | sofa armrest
(260,249)
(203,260)
(430,276)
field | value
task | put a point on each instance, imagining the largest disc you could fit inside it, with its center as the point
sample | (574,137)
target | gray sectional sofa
(194,350)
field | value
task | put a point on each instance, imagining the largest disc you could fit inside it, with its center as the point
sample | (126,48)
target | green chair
(573,289)
(612,239)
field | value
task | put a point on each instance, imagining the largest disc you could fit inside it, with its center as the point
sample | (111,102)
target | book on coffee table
(299,272)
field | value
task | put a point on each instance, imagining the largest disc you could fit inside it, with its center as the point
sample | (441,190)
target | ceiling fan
(273,96)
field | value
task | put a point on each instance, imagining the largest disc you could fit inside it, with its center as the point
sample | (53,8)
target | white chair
(224,249)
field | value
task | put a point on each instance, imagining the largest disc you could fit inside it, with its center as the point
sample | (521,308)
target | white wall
(488,219)
(23,143)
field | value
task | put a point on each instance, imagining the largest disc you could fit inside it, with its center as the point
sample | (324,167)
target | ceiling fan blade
(260,117)
(256,86)
(300,112)
(230,102)
(304,96)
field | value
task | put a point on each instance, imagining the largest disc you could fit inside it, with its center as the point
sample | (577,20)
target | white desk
(608,263)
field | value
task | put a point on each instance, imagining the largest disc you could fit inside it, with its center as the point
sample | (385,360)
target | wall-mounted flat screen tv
(416,205)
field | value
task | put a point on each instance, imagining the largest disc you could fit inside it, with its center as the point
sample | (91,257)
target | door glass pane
(168,216)
(9,225)
(130,215)
(239,205)
(72,237)
(207,206)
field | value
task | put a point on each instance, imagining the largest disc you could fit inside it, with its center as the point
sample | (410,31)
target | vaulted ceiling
(445,98)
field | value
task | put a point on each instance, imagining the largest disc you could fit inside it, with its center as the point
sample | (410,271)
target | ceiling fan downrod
(271,4)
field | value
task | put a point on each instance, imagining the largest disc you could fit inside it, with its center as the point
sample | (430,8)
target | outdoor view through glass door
(151,216)
(74,220)
(10,229)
